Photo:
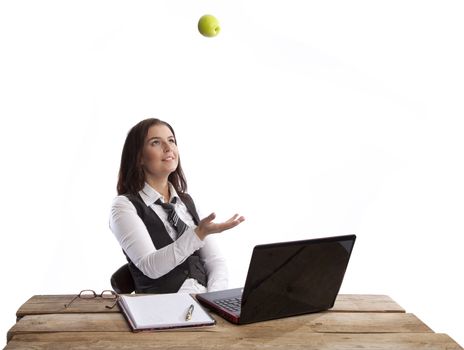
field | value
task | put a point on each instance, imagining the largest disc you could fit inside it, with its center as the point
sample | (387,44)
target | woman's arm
(215,265)
(133,236)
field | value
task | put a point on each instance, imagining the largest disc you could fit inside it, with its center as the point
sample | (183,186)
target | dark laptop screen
(295,277)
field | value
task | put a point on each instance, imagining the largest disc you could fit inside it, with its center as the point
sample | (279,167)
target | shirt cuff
(189,242)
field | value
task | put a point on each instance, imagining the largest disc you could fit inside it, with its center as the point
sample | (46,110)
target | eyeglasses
(91,294)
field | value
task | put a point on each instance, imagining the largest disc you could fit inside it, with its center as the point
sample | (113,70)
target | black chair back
(122,281)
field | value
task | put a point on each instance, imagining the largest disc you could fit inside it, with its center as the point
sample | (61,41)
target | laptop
(286,279)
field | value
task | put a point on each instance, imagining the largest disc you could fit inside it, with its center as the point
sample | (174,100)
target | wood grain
(197,340)
(355,322)
(325,322)
(365,303)
(54,304)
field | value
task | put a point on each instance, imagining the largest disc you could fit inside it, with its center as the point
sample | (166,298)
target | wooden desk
(356,322)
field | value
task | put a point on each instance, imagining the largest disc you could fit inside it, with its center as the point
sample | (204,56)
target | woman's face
(160,156)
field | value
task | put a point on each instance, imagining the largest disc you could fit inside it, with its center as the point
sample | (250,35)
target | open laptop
(286,279)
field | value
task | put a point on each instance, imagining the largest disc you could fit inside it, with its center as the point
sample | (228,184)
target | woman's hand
(207,226)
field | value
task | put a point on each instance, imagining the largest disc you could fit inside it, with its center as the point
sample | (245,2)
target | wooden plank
(54,304)
(200,340)
(365,303)
(330,322)
(299,326)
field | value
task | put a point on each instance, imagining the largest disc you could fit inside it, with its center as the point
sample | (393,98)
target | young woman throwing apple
(155,221)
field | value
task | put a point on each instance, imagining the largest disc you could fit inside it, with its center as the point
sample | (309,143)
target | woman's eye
(155,142)
(172,141)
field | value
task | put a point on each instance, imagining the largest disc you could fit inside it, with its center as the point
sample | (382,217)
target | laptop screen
(296,277)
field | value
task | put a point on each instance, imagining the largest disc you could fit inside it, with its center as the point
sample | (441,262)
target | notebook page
(163,310)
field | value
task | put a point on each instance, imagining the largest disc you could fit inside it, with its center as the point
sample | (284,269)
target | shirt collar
(150,195)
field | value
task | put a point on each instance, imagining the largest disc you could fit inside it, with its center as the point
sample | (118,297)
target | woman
(156,222)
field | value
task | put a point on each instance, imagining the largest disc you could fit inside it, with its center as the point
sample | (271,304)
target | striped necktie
(173,218)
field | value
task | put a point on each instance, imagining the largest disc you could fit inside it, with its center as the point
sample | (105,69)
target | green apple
(208,25)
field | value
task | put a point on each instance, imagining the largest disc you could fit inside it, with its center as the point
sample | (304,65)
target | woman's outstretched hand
(207,226)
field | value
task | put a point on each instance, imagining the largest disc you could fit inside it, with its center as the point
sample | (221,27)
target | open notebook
(163,311)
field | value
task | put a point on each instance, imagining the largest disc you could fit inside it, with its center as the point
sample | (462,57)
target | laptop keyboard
(231,304)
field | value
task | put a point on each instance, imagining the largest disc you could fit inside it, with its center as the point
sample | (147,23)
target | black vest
(171,282)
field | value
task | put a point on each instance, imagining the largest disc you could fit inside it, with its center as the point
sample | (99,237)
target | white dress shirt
(133,236)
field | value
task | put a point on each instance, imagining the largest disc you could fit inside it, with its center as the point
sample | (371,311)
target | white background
(309,118)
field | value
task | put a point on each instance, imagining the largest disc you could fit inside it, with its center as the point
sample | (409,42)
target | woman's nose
(166,147)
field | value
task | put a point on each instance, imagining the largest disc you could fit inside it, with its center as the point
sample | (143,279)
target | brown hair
(131,178)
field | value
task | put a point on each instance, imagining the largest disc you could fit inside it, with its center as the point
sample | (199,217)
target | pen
(188,317)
